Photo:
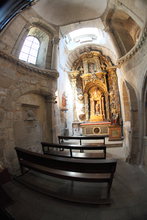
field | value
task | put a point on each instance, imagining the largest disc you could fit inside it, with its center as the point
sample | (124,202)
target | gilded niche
(95,84)
(97,104)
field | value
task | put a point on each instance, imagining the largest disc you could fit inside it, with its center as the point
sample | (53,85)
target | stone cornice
(134,50)
(49,73)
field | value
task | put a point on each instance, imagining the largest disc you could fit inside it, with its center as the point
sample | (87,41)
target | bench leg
(109,189)
(72,187)
(23,171)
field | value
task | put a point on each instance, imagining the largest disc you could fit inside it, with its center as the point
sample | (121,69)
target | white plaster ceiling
(63,12)
(97,23)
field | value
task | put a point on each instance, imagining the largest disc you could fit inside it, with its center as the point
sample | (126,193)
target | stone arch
(46,99)
(143,157)
(144,102)
(96,84)
(46,26)
(134,142)
(126,116)
(42,92)
(78,51)
(45,34)
(30,121)
(125,29)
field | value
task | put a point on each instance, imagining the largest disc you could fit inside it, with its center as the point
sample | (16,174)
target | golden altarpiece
(96,95)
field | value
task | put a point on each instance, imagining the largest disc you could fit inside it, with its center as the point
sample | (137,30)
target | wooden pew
(86,151)
(95,171)
(80,138)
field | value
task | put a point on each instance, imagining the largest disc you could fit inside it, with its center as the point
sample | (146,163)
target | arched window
(29,50)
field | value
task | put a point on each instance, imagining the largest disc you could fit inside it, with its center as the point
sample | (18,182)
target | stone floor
(129,200)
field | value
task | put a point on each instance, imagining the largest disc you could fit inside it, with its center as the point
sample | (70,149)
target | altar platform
(95,128)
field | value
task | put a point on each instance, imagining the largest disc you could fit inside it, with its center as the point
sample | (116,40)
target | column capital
(55,40)
(51,98)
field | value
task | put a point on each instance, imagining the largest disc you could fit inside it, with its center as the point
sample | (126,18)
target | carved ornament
(93,61)
(80,97)
(73,74)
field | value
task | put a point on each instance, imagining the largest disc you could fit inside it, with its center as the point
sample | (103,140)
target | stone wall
(26,107)
(27,92)
(134,71)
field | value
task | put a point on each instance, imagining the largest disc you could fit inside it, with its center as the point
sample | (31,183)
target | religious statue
(64,101)
(97,108)
(91,68)
(115,119)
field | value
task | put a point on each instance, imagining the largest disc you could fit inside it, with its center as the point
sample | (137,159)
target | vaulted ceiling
(63,12)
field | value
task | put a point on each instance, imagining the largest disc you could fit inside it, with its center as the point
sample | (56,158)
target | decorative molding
(135,49)
(49,73)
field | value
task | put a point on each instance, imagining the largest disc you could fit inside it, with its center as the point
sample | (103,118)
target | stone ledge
(50,73)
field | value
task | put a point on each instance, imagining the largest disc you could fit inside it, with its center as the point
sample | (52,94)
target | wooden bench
(86,151)
(80,138)
(95,171)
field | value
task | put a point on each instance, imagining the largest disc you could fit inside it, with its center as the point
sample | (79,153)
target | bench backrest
(67,164)
(101,137)
(86,151)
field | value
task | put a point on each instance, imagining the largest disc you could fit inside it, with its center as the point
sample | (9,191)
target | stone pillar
(73,74)
(73,81)
(55,43)
(50,100)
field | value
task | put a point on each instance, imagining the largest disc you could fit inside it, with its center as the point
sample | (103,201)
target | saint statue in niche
(91,67)
(64,101)
(115,118)
(97,108)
